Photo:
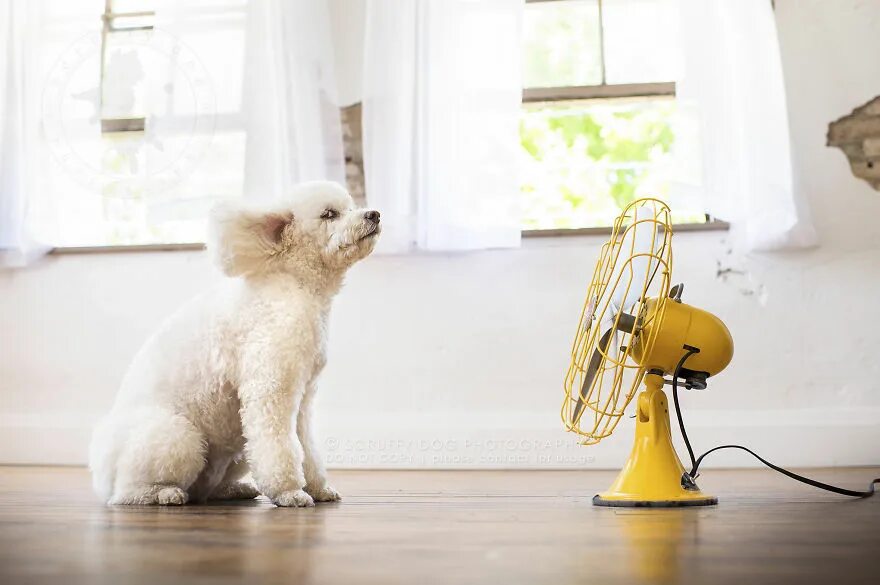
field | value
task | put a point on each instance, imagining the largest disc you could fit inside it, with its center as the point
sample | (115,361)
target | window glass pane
(155,185)
(129,210)
(132,5)
(125,70)
(219,46)
(561,44)
(583,161)
(641,40)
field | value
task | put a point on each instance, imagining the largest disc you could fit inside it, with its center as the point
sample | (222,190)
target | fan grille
(603,375)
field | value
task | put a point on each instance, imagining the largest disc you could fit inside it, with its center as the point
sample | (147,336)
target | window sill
(129,248)
(712,226)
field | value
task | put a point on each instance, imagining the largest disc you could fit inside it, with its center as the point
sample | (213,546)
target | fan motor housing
(681,324)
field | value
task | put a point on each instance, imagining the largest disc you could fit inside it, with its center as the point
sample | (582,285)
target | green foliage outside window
(584,161)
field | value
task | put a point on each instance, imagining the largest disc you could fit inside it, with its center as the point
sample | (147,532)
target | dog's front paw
(294,499)
(171,496)
(325,494)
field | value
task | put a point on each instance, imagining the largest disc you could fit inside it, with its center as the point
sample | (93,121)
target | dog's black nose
(372,216)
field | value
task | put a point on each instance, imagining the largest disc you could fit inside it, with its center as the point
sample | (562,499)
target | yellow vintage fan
(634,329)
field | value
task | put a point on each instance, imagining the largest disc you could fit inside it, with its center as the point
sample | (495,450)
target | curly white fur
(225,386)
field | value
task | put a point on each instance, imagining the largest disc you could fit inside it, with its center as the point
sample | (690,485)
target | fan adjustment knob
(676,292)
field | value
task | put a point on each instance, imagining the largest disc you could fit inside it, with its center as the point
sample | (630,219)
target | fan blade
(592,369)
(625,323)
(646,238)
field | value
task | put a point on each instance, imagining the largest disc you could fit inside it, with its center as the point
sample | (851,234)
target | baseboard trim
(801,439)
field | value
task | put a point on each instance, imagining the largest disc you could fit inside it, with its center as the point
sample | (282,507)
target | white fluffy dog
(225,386)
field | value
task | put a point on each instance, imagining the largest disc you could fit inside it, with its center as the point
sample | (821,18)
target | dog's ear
(273,225)
(244,239)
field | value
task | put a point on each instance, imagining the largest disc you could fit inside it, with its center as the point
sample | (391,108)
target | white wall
(457,360)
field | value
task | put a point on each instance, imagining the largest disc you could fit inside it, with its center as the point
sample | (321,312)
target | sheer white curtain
(19,129)
(733,79)
(291,106)
(442,93)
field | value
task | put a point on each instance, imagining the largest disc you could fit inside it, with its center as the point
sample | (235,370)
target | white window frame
(223,121)
(604,90)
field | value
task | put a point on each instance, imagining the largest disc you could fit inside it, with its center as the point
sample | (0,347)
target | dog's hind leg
(232,488)
(163,455)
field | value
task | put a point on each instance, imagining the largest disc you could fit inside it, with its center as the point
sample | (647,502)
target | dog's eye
(330,214)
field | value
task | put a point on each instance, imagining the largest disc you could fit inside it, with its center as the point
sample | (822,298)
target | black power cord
(695,462)
(689,351)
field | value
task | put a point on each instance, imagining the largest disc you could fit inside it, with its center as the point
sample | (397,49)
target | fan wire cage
(593,409)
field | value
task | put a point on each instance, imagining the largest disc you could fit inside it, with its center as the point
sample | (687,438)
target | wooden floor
(418,528)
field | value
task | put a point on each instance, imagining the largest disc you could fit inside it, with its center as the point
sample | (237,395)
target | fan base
(653,476)
(598,500)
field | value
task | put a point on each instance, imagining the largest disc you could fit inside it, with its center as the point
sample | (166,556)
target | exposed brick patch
(354,152)
(858,136)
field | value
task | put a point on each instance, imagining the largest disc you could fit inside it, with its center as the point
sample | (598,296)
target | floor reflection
(222,540)
(657,540)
